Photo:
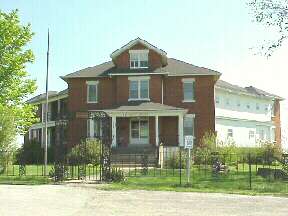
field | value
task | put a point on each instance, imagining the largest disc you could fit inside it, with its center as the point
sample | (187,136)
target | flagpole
(46,111)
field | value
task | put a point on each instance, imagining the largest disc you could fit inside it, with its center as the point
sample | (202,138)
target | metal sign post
(189,140)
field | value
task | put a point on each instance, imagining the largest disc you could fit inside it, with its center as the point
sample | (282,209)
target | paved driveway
(79,200)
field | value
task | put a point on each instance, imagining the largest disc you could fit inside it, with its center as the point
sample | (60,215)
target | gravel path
(86,200)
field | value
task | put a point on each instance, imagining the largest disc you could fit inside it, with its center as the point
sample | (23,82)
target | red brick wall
(203,107)
(277,122)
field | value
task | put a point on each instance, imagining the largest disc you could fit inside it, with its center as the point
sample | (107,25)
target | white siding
(242,114)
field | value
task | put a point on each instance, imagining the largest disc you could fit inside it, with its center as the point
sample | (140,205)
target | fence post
(250,173)
(180,163)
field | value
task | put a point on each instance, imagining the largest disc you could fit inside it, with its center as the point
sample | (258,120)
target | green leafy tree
(15,84)
(273,14)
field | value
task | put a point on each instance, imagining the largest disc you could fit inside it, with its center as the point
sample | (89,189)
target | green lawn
(24,180)
(203,181)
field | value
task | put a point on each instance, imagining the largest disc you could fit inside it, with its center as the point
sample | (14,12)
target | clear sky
(218,34)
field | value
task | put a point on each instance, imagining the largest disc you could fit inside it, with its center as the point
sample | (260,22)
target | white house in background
(246,115)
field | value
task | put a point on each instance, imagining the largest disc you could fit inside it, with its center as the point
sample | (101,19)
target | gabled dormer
(139,54)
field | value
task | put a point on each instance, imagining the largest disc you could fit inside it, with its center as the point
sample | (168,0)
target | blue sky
(214,34)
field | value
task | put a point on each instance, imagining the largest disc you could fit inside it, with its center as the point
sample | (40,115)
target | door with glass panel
(139,131)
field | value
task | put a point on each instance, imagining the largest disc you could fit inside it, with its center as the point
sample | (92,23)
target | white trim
(156,130)
(180,130)
(138,80)
(192,115)
(267,123)
(144,113)
(136,74)
(139,51)
(180,75)
(188,80)
(188,101)
(134,42)
(42,125)
(133,78)
(114,132)
(92,83)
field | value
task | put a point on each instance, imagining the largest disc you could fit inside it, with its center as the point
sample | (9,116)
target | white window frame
(273,134)
(91,128)
(251,132)
(139,140)
(273,109)
(92,83)
(189,116)
(188,80)
(217,100)
(139,79)
(138,52)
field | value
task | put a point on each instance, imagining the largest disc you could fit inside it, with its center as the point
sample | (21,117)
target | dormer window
(138,58)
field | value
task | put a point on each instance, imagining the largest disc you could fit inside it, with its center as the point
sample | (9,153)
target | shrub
(87,152)
(175,162)
(117,175)
(32,153)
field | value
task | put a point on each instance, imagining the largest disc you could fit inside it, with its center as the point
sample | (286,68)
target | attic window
(138,58)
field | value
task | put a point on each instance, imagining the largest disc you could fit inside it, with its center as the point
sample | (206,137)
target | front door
(139,131)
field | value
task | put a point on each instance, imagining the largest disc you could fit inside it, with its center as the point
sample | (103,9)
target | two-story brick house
(153,99)
(150,98)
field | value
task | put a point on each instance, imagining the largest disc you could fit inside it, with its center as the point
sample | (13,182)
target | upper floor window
(189,90)
(139,88)
(138,58)
(92,91)
(251,134)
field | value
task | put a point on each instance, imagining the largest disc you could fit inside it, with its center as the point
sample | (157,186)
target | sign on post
(189,141)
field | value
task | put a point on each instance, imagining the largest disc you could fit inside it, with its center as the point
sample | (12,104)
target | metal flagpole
(46,112)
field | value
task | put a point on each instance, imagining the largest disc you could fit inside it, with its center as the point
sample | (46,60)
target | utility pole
(46,112)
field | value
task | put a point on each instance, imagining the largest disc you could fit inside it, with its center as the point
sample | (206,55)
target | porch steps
(133,156)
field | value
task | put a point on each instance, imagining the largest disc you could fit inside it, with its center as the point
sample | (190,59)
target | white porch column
(180,130)
(156,131)
(113,131)
(58,106)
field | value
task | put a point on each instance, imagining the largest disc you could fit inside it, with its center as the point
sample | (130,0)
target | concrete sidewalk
(80,200)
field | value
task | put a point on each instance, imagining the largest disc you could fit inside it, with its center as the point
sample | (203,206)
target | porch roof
(146,107)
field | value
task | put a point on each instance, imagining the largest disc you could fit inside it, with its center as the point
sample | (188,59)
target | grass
(236,182)
(24,180)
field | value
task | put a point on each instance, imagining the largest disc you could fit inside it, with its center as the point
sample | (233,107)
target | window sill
(139,68)
(139,99)
(188,101)
(92,102)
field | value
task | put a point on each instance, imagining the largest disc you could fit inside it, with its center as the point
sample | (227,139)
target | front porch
(144,127)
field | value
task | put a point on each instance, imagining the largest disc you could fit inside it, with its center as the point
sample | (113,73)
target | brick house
(150,99)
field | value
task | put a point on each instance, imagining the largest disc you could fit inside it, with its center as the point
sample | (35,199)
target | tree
(15,84)
(272,13)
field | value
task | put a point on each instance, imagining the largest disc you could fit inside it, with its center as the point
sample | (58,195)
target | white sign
(189,141)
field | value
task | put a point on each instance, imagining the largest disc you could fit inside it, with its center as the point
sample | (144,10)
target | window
(94,128)
(139,131)
(139,88)
(248,106)
(230,133)
(238,103)
(257,106)
(227,101)
(92,91)
(251,135)
(217,100)
(188,90)
(261,134)
(138,58)
(188,122)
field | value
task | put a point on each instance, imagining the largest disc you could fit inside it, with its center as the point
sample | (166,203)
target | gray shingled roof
(51,94)
(174,67)
(251,90)
(144,106)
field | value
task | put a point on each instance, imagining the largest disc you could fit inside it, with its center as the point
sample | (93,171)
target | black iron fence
(166,165)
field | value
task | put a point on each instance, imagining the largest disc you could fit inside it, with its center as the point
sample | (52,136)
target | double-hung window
(188,125)
(138,58)
(94,128)
(92,91)
(230,133)
(188,90)
(139,88)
